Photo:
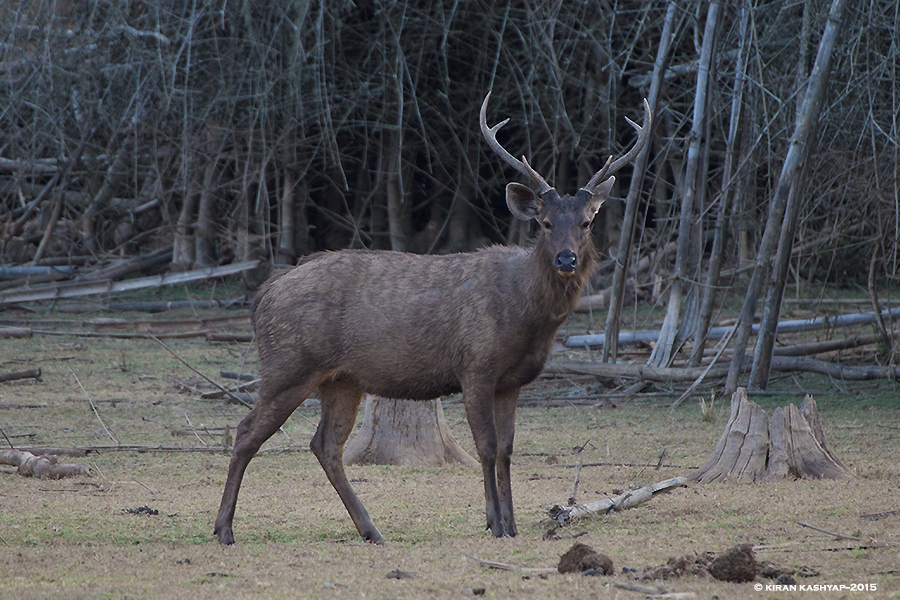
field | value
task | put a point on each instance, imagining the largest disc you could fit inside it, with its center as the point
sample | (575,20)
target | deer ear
(600,194)
(523,203)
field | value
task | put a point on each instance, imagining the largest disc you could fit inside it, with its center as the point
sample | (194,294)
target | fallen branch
(564,514)
(229,337)
(30,465)
(94,408)
(161,326)
(491,564)
(881,515)
(618,464)
(248,386)
(84,450)
(125,336)
(29,374)
(839,536)
(150,306)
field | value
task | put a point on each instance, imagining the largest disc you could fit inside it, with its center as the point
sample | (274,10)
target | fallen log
(564,514)
(29,374)
(755,447)
(779,363)
(30,465)
(715,333)
(15,332)
(806,349)
(643,372)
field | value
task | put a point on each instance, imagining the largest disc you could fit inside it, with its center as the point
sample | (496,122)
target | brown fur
(419,327)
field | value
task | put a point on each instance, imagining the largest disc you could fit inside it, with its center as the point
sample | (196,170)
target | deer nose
(565,261)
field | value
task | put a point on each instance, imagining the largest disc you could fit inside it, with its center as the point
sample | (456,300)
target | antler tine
(522,166)
(611,167)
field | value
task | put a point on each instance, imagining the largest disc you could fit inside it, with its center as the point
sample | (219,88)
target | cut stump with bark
(756,447)
(405,432)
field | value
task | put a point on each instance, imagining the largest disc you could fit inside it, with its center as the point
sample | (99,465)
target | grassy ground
(73,539)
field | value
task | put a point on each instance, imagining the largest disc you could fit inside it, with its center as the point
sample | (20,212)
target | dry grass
(71,539)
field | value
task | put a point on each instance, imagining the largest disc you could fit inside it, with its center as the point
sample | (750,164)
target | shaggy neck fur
(552,293)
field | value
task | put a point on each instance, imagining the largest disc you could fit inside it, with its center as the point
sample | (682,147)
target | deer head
(565,220)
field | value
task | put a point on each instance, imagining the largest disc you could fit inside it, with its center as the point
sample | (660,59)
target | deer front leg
(478,401)
(505,422)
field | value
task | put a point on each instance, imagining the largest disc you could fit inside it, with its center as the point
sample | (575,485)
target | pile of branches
(249,130)
(253,129)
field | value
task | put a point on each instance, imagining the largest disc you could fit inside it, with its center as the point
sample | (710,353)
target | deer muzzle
(565,262)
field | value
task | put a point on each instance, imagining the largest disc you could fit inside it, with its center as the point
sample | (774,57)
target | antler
(522,166)
(611,167)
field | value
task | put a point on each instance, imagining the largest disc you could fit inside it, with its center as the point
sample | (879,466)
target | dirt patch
(581,558)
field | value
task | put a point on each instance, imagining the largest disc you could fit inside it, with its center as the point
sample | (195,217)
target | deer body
(409,326)
(419,327)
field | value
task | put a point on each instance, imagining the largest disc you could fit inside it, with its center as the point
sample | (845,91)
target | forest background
(213,131)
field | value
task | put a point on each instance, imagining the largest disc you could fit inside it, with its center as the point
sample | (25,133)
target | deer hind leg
(267,416)
(340,403)
(504,420)
(479,405)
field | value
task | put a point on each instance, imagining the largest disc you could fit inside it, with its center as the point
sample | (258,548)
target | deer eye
(586,224)
(547,225)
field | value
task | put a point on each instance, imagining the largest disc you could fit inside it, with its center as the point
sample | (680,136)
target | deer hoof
(226,536)
(374,537)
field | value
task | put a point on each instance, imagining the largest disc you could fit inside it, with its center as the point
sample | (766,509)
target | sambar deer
(408,326)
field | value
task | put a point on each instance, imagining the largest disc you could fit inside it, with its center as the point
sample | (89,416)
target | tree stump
(405,432)
(755,447)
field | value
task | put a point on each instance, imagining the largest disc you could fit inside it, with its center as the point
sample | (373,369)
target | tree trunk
(685,259)
(755,448)
(631,202)
(204,233)
(405,432)
(787,191)
(183,246)
(718,247)
(287,253)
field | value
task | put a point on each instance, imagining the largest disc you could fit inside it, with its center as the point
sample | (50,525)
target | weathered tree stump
(405,432)
(755,447)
